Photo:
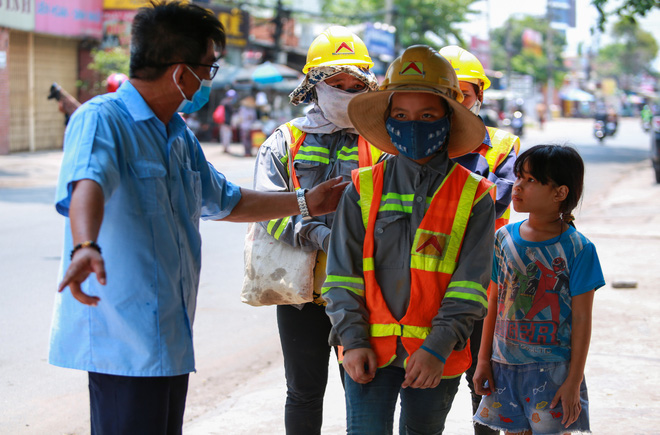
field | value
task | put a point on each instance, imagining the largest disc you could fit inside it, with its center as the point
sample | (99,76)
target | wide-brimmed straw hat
(419,69)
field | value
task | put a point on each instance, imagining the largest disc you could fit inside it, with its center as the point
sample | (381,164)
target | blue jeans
(370,407)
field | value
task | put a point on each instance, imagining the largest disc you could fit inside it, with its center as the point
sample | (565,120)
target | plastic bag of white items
(275,273)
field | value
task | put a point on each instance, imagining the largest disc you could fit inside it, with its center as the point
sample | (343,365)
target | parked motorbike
(517,123)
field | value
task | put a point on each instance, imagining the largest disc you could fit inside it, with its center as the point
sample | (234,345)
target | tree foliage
(630,56)
(412,18)
(508,51)
(628,9)
(106,62)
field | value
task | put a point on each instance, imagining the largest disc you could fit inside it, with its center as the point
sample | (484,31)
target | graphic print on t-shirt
(532,307)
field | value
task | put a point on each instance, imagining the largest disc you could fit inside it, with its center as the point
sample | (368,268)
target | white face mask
(333,102)
(476,107)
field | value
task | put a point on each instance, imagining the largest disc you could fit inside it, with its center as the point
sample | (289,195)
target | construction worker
(493,159)
(410,251)
(323,144)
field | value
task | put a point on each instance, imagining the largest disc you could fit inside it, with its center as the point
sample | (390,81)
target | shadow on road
(25,195)
(600,154)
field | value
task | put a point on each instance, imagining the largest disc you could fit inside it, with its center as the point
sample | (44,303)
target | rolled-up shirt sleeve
(89,153)
(271,175)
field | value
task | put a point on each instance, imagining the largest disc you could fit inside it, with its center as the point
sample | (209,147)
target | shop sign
(17,14)
(124,4)
(69,17)
(236,22)
(117,28)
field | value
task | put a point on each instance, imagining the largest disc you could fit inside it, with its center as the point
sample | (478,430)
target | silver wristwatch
(302,204)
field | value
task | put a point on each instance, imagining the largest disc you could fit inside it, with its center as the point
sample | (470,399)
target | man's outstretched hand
(323,198)
(84,262)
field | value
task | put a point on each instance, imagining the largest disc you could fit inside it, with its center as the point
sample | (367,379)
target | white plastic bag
(275,273)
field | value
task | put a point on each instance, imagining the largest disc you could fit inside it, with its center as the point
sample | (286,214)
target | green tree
(509,54)
(412,18)
(104,63)
(630,56)
(627,9)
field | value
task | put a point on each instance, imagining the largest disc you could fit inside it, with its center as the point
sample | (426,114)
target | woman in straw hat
(303,153)
(410,252)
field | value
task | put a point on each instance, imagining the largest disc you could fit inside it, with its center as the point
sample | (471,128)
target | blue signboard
(379,40)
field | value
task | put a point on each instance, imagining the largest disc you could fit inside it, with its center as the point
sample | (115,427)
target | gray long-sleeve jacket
(411,187)
(320,158)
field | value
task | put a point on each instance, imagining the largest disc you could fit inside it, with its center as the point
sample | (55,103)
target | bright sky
(586,17)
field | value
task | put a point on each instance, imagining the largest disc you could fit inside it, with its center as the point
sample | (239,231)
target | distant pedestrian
(228,109)
(537,332)
(247,115)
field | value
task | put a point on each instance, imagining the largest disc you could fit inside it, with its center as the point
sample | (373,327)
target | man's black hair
(167,32)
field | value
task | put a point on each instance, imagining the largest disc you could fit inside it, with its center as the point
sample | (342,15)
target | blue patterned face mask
(418,139)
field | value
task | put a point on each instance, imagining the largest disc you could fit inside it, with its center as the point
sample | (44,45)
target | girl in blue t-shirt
(536,335)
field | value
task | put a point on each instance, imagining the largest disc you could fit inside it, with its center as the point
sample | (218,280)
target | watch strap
(302,203)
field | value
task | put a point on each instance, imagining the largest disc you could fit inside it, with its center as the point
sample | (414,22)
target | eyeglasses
(213,69)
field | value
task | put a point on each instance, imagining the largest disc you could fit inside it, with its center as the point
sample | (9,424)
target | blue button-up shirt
(156,184)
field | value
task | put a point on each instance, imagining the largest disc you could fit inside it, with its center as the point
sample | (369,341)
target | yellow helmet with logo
(337,46)
(422,66)
(467,66)
(419,69)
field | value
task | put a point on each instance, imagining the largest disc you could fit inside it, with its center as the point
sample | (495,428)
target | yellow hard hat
(419,69)
(422,66)
(337,46)
(467,66)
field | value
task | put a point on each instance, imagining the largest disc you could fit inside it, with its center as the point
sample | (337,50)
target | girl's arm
(569,392)
(484,371)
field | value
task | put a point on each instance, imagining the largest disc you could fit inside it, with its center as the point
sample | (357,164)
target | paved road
(238,388)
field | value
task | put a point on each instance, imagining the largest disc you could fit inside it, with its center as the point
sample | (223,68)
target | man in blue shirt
(134,181)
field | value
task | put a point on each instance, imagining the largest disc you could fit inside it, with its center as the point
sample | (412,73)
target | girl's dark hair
(558,164)
(168,32)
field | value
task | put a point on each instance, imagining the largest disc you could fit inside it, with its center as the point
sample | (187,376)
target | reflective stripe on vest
(434,255)
(294,138)
(501,144)
(366,154)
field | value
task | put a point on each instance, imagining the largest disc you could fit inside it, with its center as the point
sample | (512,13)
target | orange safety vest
(501,144)
(367,154)
(434,256)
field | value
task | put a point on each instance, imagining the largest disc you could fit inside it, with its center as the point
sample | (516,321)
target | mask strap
(177,85)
